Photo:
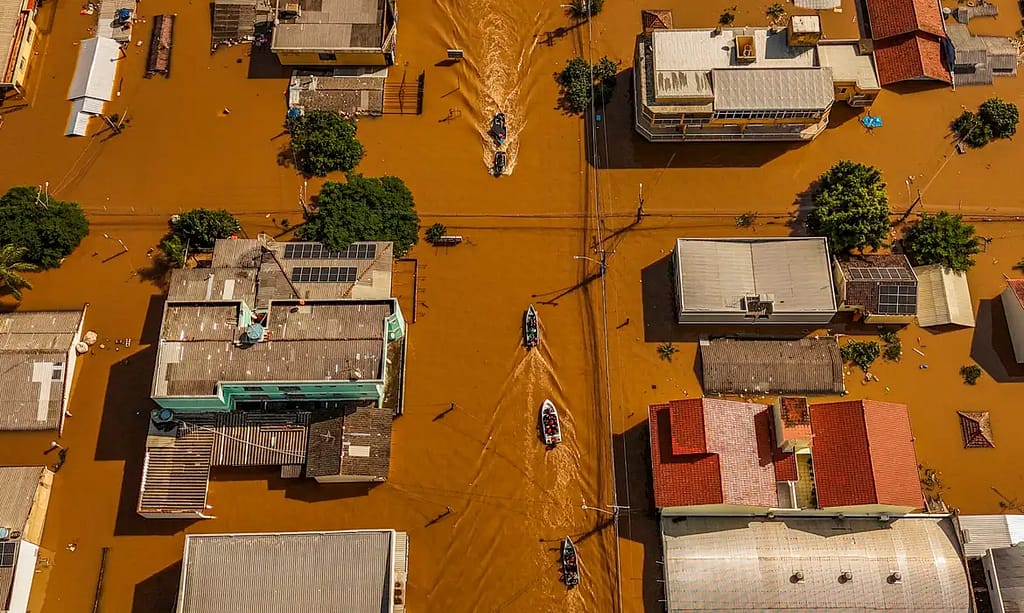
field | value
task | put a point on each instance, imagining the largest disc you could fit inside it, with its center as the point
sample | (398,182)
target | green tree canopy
(364,209)
(47,228)
(12,264)
(579,82)
(942,239)
(200,228)
(851,207)
(1001,117)
(972,129)
(584,9)
(324,141)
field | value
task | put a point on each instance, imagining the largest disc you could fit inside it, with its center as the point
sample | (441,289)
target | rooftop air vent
(797,577)
(896,577)
(846,577)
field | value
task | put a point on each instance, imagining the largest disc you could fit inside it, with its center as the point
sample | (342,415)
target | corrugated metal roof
(175,478)
(332,24)
(983,532)
(717,274)
(730,564)
(1009,569)
(357,444)
(346,571)
(943,297)
(18,485)
(96,69)
(752,89)
(800,366)
(849,64)
(10,19)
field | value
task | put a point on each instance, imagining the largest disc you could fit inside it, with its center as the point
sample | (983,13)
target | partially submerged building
(713,456)
(826,563)
(335,32)
(943,297)
(349,91)
(92,85)
(23,505)
(745,84)
(878,288)
(978,59)
(355,571)
(755,366)
(37,367)
(753,280)
(908,37)
(992,543)
(262,356)
(17,38)
(1013,305)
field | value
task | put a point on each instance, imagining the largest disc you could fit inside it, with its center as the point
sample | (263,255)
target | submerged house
(1013,305)
(23,506)
(17,38)
(749,366)
(753,280)
(745,84)
(943,297)
(279,355)
(713,456)
(335,32)
(908,38)
(880,288)
(37,367)
(355,571)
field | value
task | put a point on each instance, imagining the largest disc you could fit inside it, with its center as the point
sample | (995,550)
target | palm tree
(12,263)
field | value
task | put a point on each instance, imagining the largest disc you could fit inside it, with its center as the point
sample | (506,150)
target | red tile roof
(895,17)
(1017,286)
(863,453)
(796,418)
(910,57)
(737,464)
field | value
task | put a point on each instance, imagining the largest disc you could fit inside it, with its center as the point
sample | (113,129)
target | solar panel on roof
(316,251)
(883,273)
(323,274)
(897,299)
(7,550)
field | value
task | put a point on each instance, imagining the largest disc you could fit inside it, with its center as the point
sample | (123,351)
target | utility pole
(640,206)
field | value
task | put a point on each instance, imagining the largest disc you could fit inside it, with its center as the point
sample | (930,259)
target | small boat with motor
(570,565)
(499,163)
(550,426)
(531,333)
(498,129)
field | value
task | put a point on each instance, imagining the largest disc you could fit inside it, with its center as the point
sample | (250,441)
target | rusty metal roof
(799,366)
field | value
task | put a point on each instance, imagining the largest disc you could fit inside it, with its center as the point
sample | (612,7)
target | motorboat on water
(498,129)
(550,426)
(531,332)
(570,564)
(499,163)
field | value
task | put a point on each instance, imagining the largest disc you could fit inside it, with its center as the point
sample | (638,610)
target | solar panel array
(883,273)
(7,550)
(323,274)
(897,299)
(316,251)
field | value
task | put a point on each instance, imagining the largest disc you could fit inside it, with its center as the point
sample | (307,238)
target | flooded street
(512,501)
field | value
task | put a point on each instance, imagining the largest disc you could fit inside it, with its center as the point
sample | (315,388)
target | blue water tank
(254,333)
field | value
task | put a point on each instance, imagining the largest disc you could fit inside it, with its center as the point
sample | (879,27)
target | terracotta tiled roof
(655,19)
(737,464)
(1017,285)
(863,453)
(976,428)
(796,418)
(863,291)
(894,17)
(910,57)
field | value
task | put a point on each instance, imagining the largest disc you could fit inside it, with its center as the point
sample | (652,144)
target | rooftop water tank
(254,333)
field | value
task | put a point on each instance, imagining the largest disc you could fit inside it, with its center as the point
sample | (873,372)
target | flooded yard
(512,502)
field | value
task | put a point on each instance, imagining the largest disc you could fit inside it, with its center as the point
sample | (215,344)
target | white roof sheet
(728,564)
(849,64)
(702,49)
(95,70)
(752,89)
(716,274)
(943,297)
(983,532)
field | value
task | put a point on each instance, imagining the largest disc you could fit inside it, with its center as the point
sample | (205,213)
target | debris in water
(72,547)
(918,351)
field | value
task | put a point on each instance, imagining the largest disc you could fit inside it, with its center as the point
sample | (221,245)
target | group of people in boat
(499,131)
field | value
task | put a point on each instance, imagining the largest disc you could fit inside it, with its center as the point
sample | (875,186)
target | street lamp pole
(603,262)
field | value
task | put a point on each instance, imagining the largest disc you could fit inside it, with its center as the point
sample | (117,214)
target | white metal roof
(849,64)
(753,89)
(716,274)
(95,70)
(703,49)
(729,564)
(983,532)
(943,297)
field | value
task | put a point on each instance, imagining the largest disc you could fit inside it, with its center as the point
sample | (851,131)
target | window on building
(58,371)
(253,388)
(259,397)
(295,395)
(328,57)
(289,388)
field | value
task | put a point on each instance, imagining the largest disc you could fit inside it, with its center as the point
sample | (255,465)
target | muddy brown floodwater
(512,501)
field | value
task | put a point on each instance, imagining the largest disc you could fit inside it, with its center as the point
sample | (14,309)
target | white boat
(550,427)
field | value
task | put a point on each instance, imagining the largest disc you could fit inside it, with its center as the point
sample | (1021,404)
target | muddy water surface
(512,501)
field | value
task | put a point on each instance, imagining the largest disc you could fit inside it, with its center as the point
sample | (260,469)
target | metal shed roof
(943,297)
(95,70)
(983,532)
(750,89)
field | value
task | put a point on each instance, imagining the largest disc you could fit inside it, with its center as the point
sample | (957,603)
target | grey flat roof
(752,89)
(729,564)
(332,24)
(803,366)
(34,347)
(348,571)
(1009,568)
(716,274)
(315,341)
(849,64)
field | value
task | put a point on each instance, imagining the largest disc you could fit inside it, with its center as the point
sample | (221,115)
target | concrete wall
(1015,322)
(341,58)
(23,45)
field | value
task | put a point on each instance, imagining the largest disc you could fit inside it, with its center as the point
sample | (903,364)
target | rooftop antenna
(43,195)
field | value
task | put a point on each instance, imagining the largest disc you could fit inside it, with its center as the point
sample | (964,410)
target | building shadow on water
(264,65)
(991,346)
(302,488)
(159,592)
